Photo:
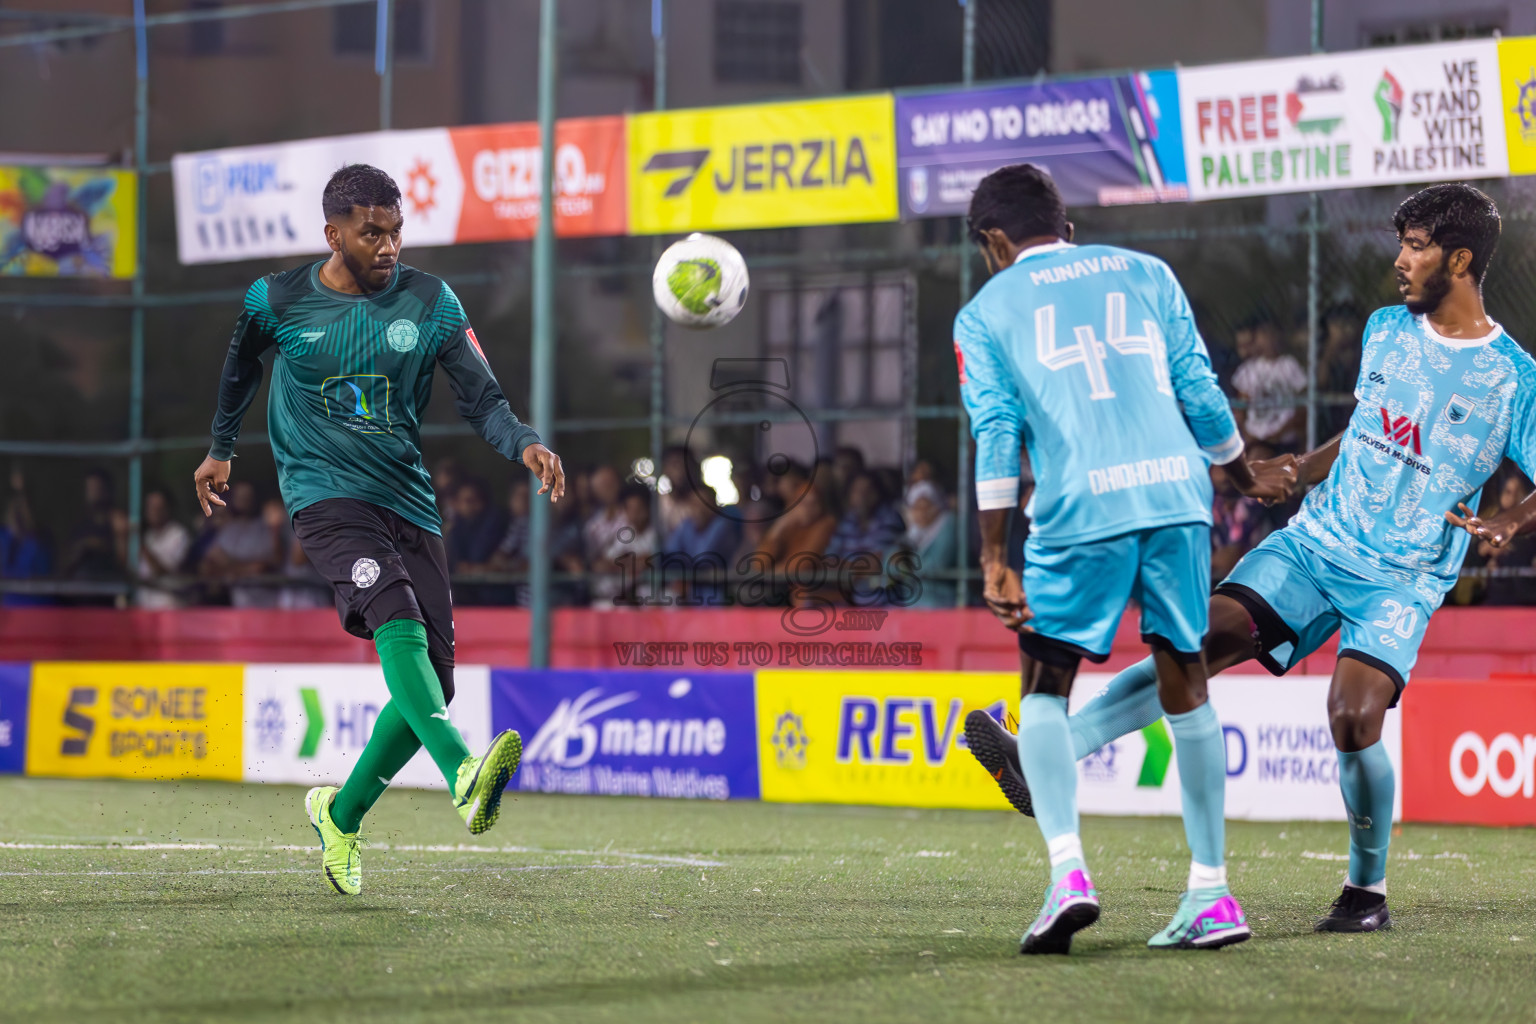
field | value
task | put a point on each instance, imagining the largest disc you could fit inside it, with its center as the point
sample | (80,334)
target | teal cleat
(1207,919)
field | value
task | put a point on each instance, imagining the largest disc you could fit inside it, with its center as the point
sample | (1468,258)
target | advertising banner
(458,185)
(890,738)
(898,739)
(1517,86)
(307,724)
(68,222)
(1104,140)
(767,165)
(134,720)
(1473,752)
(616,733)
(15,683)
(1371,117)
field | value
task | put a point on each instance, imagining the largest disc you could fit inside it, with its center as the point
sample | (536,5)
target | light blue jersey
(1435,418)
(1089,356)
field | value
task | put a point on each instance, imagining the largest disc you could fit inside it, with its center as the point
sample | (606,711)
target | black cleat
(1356,910)
(998,751)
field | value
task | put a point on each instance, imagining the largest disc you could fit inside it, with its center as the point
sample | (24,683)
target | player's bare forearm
(1497,530)
(1313,467)
(1270,481)
(994,524)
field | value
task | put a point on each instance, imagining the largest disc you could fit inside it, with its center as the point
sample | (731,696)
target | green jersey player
(357,339)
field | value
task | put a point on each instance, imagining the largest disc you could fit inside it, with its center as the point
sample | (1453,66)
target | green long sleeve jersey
(350,379)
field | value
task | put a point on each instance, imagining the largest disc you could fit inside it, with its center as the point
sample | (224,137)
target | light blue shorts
(1079,593)
(1298,599)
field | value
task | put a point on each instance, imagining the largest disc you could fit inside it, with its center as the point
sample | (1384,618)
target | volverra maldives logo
(1402,430)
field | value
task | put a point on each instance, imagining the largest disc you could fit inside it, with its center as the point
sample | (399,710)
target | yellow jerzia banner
(1517,87)
(763,166)
(135,720)
(891,738)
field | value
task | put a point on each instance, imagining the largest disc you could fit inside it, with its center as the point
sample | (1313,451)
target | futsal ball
(700,282)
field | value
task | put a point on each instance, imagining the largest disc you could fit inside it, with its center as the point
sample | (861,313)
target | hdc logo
(1402,430)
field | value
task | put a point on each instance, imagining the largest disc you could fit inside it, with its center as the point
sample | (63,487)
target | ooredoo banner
(307,724)
(1369,117)
(767,165)
(458,185)
(652,734)
(134,720)
(1474,751)
(1105,141)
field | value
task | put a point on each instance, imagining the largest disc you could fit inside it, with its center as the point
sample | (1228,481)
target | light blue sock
(1202,754)
(1045,754)
(1367,780)
(1127,705)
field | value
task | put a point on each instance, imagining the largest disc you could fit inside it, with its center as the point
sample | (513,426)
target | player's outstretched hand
(211,480)
(1003,591)
(547,467)
(1274,480)
(1496,531)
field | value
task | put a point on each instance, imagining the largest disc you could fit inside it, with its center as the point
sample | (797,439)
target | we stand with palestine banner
(1406,115)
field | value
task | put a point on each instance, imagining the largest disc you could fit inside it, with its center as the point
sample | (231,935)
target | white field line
(236,847)
(432,868)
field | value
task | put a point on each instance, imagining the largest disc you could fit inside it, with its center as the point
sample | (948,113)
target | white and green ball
(700,282)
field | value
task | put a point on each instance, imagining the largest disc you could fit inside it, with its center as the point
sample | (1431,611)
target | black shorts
(381,566)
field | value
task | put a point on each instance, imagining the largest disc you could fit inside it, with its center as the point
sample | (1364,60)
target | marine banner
(1105,141)
(631,733)
(307,724)
(458,185)
(148,720)
(68,222)
(767,165)
(1346,120)
(15,685)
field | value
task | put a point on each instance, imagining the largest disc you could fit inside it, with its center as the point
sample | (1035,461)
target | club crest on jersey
(1458,409)
(402,335)
(365,573)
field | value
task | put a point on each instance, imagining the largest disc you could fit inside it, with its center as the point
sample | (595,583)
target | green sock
(415,691)
(390,746)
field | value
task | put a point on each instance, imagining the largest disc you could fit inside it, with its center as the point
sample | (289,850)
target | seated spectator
(512,553)
(847,462)
(1270,382)
(24,551)
(98,546)
(869,524)
(622,567)
(681,472)
(931,537)
(706,540)
(1338,367)
(163,547)
(1519,553)
(479,528)
(607,516)
(246,545)
(446,477)
(1237,524)
(808,520)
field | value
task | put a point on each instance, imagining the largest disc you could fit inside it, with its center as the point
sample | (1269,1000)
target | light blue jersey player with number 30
(1088,356)
(1444,397)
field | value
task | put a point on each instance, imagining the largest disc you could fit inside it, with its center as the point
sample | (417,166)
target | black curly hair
(1455,216)
(1022,200)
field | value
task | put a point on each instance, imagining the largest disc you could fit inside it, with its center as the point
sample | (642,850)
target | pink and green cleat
(1207,919)
(1070,906)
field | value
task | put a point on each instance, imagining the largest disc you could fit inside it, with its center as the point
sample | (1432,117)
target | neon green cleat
(340,851)
(477,792)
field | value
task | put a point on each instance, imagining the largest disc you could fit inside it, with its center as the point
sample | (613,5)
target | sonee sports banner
(769,165)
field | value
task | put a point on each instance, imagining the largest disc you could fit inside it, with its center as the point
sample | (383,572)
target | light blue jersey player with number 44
(1444,397)
(1088,356)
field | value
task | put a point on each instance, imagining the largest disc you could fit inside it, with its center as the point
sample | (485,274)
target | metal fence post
(542,388)
(1313,315)
(136,340)
(384,61)
(962,421)
(658,321)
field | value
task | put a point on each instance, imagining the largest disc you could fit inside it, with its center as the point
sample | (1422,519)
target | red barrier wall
(1461,643)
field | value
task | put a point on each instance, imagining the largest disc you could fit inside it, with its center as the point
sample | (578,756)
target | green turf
(801,913)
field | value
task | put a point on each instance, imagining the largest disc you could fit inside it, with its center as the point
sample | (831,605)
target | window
(757,42)
(353,30)
(207,37)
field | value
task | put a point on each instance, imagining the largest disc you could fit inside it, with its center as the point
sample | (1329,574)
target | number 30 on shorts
(1399,618)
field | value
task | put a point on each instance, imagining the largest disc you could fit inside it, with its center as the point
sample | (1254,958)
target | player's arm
(238,384)
(481,402)
(1205,407)
(1313,467)
(996,412)
(1499,529)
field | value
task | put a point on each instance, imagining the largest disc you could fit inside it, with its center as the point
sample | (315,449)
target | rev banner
(1105,141)
(458,185)
(1371,117)
(768,165)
